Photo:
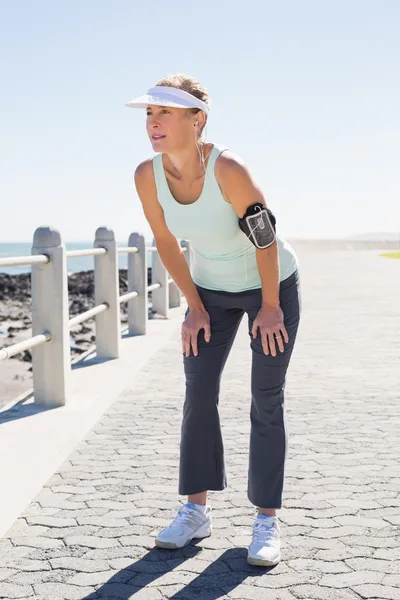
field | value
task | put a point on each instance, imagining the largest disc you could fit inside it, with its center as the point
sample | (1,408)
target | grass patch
(391,254)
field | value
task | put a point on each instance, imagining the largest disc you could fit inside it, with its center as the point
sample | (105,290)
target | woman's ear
(200,119)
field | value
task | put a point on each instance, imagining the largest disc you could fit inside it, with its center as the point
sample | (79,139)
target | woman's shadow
(216,581)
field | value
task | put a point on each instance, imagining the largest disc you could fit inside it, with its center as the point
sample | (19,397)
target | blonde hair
(190,85)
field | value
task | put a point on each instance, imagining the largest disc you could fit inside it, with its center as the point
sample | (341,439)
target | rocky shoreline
(16,323)
(15,308)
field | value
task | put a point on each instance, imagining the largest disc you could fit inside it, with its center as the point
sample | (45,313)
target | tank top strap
(211,187)
(159,177)
(215,152)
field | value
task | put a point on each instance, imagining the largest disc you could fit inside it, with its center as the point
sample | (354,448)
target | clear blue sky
(307,92)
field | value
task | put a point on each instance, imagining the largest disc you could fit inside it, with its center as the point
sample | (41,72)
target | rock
(15,287)
(81,340)
(78,350)
(27,356)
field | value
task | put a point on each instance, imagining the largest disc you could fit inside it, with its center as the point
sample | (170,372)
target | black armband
(259,225)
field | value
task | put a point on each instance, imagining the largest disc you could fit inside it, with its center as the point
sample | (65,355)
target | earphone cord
(201,151)
(202,161)
(245,259)
(245,256)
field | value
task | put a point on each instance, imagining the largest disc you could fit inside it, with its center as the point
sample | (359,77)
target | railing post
(106,281)
(137,282)
(174,295)
(159,275)
(50,361)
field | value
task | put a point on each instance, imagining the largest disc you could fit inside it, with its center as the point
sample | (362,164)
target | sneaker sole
(172,546)
(259,562)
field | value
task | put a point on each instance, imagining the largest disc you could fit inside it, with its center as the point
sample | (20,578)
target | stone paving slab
(89,534)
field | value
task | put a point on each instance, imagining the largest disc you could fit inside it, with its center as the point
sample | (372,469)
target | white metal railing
(25,345)
(88,252)
(51,364)
(24,260)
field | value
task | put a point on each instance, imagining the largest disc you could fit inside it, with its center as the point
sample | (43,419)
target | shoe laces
(184,516)
(265,530)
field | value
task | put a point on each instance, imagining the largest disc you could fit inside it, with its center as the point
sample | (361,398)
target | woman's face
(170,129)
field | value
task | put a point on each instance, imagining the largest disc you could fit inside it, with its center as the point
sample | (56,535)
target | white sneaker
(265,548)
(189,523)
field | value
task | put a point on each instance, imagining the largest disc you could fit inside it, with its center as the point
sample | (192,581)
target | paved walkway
(89,533)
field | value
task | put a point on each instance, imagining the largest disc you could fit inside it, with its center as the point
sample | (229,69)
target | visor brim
(147,99)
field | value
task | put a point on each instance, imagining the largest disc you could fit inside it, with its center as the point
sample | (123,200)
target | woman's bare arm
(239,188)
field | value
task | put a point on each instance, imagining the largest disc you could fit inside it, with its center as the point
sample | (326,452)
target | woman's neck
(187,165)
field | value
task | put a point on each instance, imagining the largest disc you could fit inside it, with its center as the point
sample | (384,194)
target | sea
(74,264)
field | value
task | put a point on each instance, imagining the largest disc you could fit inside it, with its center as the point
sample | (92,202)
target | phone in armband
(259,225)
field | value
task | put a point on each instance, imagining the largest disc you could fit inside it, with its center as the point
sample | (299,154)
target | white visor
(168,96)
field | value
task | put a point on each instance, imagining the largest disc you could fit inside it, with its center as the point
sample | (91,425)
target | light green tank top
(222,257)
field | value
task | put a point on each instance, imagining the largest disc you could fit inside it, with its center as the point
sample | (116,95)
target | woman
(202,192)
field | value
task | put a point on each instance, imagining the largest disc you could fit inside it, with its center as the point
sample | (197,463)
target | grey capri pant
(201,450)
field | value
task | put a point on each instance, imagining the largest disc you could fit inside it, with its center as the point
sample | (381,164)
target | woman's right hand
(196,320)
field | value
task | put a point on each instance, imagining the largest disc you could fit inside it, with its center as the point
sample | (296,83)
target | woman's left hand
(272,330)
